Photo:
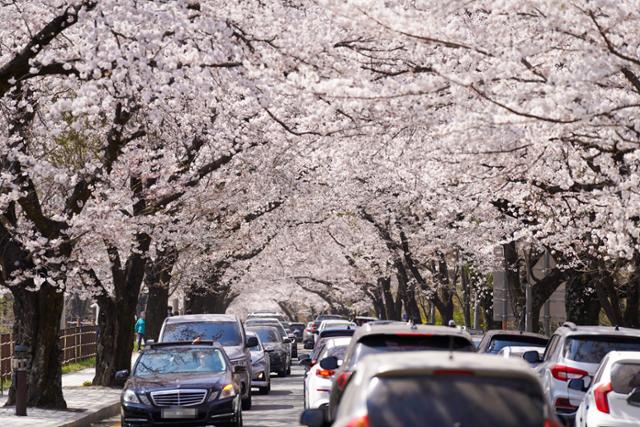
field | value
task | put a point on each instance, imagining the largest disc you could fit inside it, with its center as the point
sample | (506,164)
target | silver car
(260,366)
(425,388)
(571,359)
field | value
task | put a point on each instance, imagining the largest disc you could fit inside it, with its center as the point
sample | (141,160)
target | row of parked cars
(387,374)
(203,368)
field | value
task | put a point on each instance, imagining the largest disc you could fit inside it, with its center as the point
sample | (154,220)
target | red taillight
(313,362)
(566,373)
(563,405)
(551,423)
(362,421)
(325,373)
(343,380)
(600,396)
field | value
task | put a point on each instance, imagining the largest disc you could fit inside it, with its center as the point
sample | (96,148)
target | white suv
(614,397)
(574,353)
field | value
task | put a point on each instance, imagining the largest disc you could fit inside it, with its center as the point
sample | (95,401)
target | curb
(93,417)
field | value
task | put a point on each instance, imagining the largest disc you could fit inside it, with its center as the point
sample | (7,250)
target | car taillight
(325,373)
(362,421)
(551,423)
(343,380)
(566,373)
(600,396)
(563,405)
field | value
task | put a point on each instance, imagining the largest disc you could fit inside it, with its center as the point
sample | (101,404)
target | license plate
(179,413)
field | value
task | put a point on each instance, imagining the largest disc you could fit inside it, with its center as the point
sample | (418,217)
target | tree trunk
(466,295)
(407,294)
(392,312)
(117,313)
(157,278)
(37,326)
(583,308)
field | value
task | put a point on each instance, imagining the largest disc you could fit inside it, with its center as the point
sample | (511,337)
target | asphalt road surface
(280,408)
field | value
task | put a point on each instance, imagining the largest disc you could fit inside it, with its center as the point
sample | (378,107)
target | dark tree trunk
(213,300)
(117,313)
(583,308)
(632,309)
(157,278)
(512,278)
(407,293)
(392,309)
(38,327)
(466,295)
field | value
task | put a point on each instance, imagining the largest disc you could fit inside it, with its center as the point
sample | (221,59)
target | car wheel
(265,390)
(246,403)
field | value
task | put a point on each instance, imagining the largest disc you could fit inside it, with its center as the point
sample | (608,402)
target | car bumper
(223,410)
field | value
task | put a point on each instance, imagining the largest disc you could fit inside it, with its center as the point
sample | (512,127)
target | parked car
(575,352)
(292,348)
(276,346)
(260,366)
(317,381)
(181,384)
(614,397)
(308,360)
(321,317)
(298,330)
(440,389)
(494,340)
(375,338)
(225,329)
(518,352)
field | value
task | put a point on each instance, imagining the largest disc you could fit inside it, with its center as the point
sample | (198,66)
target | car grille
(178,397)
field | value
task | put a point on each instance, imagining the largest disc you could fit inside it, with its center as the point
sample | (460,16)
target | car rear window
(593,348)
(337,351)
(454,400)
(499,342)
(625,377)
(226,333)
(374,344)
(267,335)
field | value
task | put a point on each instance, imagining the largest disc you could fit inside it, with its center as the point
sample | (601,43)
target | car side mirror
(313,418)
(286,340)
(330,363)
(634,397)
(239,369)
(252,342)
(304,359)
(531,356)
(121,377)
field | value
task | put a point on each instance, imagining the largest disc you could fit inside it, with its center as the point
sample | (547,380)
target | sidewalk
(85,405)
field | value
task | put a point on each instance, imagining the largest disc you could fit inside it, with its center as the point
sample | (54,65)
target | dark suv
(225,329)
(276,346)
(181,384)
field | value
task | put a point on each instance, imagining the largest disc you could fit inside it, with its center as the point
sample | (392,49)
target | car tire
(246,403)
(265,390)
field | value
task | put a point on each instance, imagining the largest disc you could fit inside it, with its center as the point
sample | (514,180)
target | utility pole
(547,303)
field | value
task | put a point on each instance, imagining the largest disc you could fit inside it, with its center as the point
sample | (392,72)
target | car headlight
(227,391)
(130,396)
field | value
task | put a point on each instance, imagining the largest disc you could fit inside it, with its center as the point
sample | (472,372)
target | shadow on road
(271,407)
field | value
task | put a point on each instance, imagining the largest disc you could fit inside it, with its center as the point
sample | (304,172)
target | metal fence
(77,343)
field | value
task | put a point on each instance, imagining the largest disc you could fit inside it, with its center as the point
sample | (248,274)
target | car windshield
(226,333)
(267,335)
(179,361)
(374,344)
(625,377)
(593,348)
(276,325)
(454,400)
(498,342)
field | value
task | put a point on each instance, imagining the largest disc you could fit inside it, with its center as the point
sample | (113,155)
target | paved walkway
(86,404)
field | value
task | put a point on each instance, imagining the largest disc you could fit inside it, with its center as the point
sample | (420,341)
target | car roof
(569,328)
(407,328)
(615,356)
(201,318)
(416,362)
(256,327)
(493,332)
(337,342)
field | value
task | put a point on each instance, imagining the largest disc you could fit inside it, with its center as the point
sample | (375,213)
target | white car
(614,397)
(517,352)
(331,323)
(317,381)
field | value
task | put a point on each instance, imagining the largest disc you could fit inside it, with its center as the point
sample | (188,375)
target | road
(281,408)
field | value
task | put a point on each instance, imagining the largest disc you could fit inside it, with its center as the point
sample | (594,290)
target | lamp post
(19,365)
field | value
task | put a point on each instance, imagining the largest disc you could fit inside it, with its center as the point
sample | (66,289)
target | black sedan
(182,384)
